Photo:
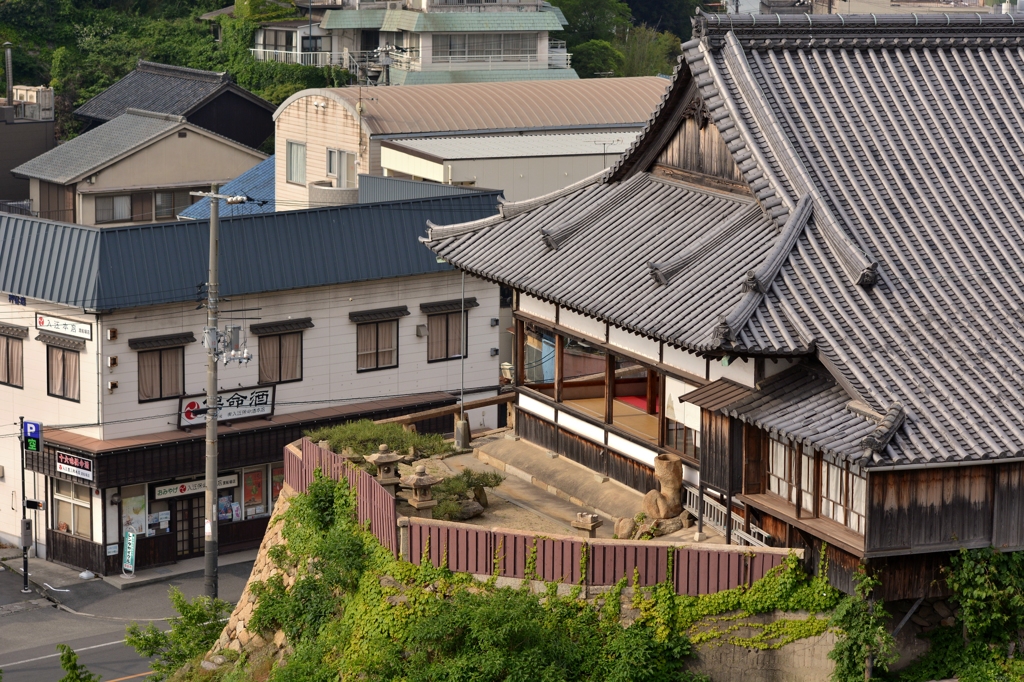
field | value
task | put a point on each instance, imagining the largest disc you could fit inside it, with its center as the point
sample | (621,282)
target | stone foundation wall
(235,636)
(805,660)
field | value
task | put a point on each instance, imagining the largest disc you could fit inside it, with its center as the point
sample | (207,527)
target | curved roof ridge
(758,280)
(560,233)
(798,30)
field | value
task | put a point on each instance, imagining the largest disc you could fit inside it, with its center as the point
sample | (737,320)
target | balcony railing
(557,60)
(291,57)
(715,515)
(556,45)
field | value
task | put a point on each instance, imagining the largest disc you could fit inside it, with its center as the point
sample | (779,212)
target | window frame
(7,359)
(74,502)
(161,351)
(112,197)
(302,358)
(465,336)
(376,342)
(289,145)
(341,167)
(48,370)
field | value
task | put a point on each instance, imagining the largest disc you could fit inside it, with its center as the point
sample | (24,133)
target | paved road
(31,628)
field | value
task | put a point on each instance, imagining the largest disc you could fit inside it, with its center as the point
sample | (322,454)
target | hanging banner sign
(61,325)
(233,405)
(73,465)
(128,558)
(178,489)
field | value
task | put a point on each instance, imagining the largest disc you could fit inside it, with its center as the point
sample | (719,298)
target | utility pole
(210,337)
(214,342)
(24,509)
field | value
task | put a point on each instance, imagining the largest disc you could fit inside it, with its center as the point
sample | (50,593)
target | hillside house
(208,99)
(802,279)
(420,42)
(137,168)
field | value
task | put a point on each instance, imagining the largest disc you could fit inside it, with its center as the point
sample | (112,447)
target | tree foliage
(73,670)
(665,15)
(192,633)
(596,58)
(647,52)
(861,625)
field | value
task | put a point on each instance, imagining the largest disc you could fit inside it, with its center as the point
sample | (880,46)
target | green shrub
(861,626)
(450,492)
(192,633)
(364,437)
(73,670)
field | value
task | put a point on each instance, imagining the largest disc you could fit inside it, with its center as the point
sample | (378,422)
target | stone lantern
(387,468)
(421,482)
(588,523)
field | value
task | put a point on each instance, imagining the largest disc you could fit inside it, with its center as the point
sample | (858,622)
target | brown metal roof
(511,105)
(718,394)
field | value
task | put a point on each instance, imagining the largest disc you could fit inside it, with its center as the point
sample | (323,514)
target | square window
(280,358)
(446,337)
(377,345)
(161,374)
(62,373)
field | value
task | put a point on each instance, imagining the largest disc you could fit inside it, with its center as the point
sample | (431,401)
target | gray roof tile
(127,267)
(90,151)
(156,87)
(906,276)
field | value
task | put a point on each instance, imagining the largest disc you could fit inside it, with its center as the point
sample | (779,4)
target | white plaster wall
(329,348)
(33,403)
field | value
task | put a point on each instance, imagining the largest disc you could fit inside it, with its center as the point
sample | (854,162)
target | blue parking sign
(33,434)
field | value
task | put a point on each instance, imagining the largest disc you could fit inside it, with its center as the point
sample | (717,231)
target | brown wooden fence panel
(708,571)
(465,548)
(470,549)
(760,564)
(609,562)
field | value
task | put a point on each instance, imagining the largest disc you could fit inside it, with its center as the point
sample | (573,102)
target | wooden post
(798,480)
(520,369)
(728,492)
(559,366)
(700,509)
(662,420)
(609,387)
(652,391)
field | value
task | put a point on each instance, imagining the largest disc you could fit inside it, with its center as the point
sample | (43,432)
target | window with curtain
(170,204)
(62,373)
(445,337)
(376,345)
(296,163)
(161,374)
(11,362)
(114,208)
(843,496)
(72,508)
(280,358)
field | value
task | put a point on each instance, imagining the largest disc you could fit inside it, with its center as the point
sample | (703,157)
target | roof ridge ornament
(876,441)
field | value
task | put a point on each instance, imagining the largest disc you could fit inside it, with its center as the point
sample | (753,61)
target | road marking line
(130,677)
(43,658)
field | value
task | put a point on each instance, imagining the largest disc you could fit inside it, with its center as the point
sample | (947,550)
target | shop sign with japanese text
(233,405)
(73,465)
(178,489)
(60,325)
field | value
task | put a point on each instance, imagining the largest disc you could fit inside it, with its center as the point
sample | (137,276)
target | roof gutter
(487,132)
(943,465)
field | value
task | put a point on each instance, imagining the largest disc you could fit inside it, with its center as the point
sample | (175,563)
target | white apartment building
(345,313)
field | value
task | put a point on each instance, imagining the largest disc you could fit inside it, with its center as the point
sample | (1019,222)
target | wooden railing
(405,420)
(465,548)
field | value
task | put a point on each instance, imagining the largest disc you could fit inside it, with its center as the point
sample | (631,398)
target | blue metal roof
(376,188)
(256,183)
(127,267)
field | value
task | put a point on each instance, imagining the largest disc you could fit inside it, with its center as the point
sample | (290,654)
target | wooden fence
(466,548)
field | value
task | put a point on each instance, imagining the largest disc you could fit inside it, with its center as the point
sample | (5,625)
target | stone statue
(668,503)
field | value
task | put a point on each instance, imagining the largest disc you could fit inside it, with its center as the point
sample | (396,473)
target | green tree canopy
(595,58)
(593,20)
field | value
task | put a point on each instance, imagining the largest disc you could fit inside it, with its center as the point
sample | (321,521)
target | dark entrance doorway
(189,517)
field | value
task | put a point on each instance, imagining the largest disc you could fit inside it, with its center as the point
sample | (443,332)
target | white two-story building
(346,316)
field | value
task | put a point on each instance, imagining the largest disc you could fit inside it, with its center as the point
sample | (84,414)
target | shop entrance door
(189,517)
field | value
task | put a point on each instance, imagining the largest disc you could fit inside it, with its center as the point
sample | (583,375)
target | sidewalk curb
(39,588)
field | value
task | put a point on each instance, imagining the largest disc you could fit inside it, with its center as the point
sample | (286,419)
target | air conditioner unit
(394,5)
